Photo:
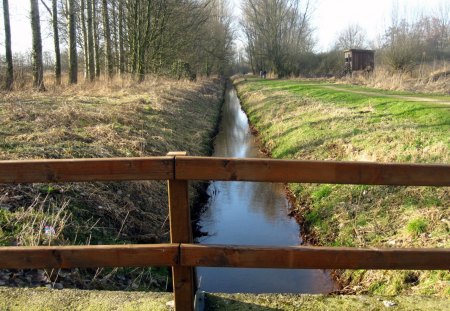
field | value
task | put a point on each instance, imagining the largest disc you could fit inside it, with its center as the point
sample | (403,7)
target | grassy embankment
(90,121)
(70,299)
(309,120)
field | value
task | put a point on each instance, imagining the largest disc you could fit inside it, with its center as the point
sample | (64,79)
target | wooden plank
(305,257)
(181,232)
(367,173)
(77,170)
(179,212)
(88,256)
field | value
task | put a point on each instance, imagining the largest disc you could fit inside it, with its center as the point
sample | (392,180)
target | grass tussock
(116,119)
(315,120)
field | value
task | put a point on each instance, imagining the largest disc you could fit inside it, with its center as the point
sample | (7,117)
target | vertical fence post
(181,232)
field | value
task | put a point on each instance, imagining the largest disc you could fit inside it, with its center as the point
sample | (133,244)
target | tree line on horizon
(128,37)
(280,39)
(186,38)
(278,35)
(405,43)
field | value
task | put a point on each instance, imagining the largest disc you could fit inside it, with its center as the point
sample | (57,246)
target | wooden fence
(181,254)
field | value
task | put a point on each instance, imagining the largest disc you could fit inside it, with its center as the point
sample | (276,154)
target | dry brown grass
(113,119)
(118,118)
(426,78)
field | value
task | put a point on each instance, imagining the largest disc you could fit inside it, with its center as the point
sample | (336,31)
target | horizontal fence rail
(66,257)
(269,170)
(79,170)
(234,256)
(228,169)
(181,254)
(304,257)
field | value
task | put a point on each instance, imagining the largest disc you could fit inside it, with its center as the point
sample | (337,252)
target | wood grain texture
(181,232)
(179,212)
(367,173)
(88,256)
(183,287)
(77,170)
(304,257)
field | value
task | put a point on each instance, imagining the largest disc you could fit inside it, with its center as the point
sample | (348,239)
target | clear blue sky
(329,18)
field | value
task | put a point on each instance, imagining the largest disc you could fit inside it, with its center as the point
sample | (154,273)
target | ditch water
(250,213)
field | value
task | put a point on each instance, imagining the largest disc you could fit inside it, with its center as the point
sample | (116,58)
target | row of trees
(278,34)
(408,42)
(137,37)
(405,42)
(278,39)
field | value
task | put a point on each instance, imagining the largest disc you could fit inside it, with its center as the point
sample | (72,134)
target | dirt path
(405,97)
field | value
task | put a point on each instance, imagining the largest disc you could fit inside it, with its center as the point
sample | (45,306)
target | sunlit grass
(313,121)
(101,120)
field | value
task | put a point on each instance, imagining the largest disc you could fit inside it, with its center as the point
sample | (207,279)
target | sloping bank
(305,120)
(98,121)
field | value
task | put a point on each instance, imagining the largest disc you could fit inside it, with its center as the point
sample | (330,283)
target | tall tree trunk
(121,48)
(107,33)
(115,44)
(90,42)
(9,70)
(85,38)
(38,67)
(134,32)
(73,62)
(56,42)
(96,39)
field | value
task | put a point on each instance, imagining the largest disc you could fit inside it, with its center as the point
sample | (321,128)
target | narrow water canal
(250,213)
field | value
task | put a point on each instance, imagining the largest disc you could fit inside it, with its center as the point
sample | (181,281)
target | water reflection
(250,213)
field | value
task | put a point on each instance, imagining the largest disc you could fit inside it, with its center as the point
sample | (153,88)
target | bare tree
(216,38)
(96,39)
(56,42)
(90,36)
(38,67)
(121,41)
(9,61)
(140,20)
(73,62)
(107,36)
(352,37)
(115,41)
(85,37)
(277,32)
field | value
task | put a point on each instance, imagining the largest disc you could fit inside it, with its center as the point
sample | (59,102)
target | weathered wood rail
(181,254)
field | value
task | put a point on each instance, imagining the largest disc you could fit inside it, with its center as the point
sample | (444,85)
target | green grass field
(316,121)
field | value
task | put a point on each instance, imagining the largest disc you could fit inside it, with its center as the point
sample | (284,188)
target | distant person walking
(264,74)
(260,73)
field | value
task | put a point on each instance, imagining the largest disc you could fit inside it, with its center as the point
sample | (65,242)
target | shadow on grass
(214,302)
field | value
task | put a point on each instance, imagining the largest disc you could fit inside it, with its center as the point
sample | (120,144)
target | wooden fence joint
(176,154)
